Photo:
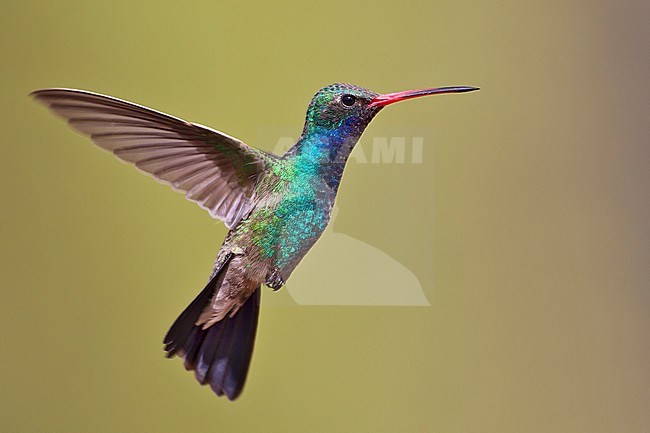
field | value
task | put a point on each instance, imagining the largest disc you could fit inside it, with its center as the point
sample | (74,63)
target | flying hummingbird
(276,207)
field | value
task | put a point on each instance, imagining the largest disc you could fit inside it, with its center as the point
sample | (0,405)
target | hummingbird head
(351,107)
(339,113)
(340,109)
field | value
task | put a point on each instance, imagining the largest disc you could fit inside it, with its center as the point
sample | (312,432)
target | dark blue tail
(221,354)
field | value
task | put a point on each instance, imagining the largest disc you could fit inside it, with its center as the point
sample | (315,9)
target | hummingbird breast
(265,248)
(287,220)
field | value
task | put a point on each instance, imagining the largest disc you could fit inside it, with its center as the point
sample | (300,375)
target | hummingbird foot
(274,279)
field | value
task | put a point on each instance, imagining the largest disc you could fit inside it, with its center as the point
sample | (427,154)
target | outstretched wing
(215,170)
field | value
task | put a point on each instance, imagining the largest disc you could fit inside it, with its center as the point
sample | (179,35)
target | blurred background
(525,224)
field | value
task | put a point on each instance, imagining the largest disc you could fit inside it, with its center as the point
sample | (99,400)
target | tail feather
(241,348)
(183,326)
(219,355)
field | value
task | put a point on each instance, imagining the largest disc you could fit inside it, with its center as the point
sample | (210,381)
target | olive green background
(526,223)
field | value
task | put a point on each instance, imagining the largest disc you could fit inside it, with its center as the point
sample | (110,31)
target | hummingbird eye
(348,100)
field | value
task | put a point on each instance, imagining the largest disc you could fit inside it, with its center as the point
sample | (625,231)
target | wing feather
(213,169)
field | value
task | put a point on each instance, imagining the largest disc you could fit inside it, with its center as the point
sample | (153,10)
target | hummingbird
(275,207)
